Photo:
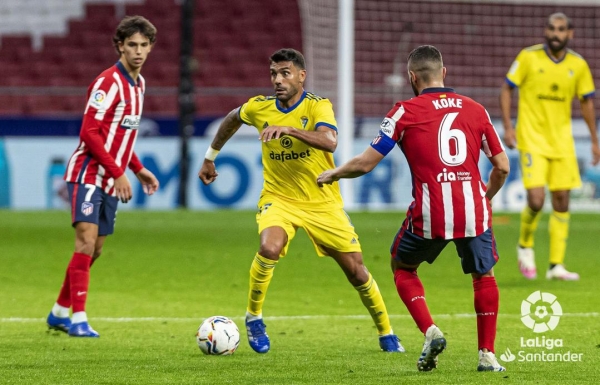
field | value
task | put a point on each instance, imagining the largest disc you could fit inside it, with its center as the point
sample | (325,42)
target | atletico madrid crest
(87,208)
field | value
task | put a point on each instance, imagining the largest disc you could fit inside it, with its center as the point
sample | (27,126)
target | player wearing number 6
(442,135)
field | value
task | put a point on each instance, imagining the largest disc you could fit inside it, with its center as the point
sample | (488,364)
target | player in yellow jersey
(548,76)
(298,134)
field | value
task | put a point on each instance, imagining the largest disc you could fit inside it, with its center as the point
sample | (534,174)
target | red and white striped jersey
(442,134)
(109,130)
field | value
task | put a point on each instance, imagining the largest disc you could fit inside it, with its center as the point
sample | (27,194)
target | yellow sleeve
(518,70)
(323,115)
(247,111)
(585,83)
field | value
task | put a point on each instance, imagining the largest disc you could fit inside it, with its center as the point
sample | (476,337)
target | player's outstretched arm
(510,138)
(500,170)
(355,167)
(228,127)
(322,138)
(148,180)
(589,115)
(232,122)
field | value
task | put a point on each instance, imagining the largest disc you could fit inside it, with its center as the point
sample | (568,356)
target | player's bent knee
(84,248)
(358,277)
(85,242)
(396,265)
(560,203)
(490,273)
(536,202)
(270,252)
(536,207)
(356,273)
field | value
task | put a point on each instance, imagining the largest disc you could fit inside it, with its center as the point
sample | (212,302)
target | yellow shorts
(329,228)
(557,173)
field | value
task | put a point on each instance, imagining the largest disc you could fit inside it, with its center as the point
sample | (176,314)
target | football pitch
(162,273)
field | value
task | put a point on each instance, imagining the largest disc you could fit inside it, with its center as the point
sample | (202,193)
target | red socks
(78,278)
(411,292)
(64,297)
(486,295)
(486,306)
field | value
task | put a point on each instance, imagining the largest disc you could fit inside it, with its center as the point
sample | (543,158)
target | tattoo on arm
(228,127)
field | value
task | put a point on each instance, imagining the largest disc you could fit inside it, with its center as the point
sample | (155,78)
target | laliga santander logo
(508,356)
(541,312)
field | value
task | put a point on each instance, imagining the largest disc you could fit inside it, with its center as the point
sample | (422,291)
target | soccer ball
(218,335)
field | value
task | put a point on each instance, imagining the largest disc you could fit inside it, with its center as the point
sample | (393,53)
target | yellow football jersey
(546,91)
(290,166)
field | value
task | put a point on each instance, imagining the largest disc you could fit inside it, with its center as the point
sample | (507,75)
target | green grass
(163,272)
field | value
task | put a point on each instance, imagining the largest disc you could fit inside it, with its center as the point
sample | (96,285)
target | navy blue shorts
(91,204)
(477,254)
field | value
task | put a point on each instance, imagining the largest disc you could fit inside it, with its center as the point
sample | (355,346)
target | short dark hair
(561,16)
(129,26)
(425,61)
(289,54)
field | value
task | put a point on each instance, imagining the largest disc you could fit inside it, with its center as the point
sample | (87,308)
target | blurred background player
(96,171)
(548,77)
(441,133)
(299,135)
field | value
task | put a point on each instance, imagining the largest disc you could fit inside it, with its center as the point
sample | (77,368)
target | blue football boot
(57,323)
(82,329)
(257,336)
(390,343)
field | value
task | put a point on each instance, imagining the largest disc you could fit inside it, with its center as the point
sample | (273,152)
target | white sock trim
(252,317)
(79,317)
(60,311)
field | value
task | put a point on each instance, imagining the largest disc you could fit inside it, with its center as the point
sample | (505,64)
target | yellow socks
(558,228)
(529,223)
(559,232)
(261,273)
(373,301)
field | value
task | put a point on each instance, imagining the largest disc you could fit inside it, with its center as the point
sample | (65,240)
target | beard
(289,93)
(414,88)
(556,45)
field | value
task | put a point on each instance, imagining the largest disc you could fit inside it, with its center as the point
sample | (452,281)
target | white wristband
(211,154)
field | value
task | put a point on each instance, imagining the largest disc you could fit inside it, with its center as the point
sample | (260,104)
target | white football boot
(434,344)
(559,272)
(526,258)
(489,363)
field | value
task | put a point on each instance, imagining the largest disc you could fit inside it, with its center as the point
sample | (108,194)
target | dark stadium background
(50,51)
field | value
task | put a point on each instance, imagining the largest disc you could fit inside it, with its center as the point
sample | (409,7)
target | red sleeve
(392,125)
(90,135)
(102,96)
(491,143)
(134,164)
